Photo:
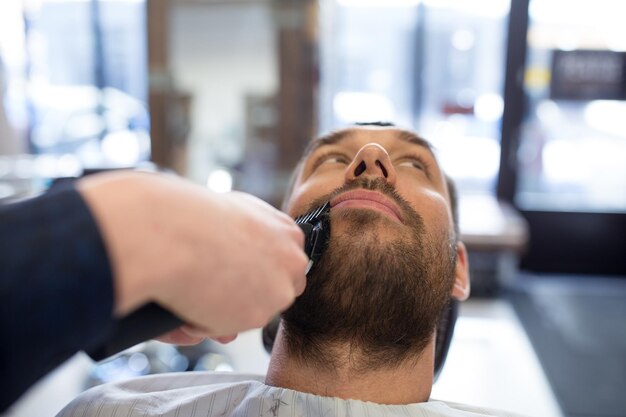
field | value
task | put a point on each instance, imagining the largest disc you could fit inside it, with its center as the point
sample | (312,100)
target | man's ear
(461,288)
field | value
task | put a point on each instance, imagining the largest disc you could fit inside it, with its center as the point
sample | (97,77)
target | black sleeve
(56,289)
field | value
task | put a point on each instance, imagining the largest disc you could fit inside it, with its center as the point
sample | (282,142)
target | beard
(379,296)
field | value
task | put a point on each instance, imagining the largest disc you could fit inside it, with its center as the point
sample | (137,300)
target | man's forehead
(369,133)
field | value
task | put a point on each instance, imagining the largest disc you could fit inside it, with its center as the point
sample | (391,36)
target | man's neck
(406,384)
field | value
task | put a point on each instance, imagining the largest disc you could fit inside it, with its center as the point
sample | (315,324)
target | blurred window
(77,78)
(432,65)
(572,154)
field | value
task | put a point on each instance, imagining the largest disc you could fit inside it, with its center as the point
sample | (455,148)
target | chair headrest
(445,331)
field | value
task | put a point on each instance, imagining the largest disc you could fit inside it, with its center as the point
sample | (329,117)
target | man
(360,339)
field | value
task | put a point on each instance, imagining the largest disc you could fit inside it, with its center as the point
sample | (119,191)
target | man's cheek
(437,216)
(304,194)
(297,202)
(432,202)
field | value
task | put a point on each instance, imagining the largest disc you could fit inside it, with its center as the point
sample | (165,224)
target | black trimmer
(152,320)
(316,227)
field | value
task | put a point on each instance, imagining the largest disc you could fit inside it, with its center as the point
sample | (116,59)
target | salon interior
(523,100)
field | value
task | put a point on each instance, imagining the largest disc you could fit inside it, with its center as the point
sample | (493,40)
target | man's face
(390,263)
(392,156)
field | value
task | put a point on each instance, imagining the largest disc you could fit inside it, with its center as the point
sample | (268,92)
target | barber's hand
(223,263)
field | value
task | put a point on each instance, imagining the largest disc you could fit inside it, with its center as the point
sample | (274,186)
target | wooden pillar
(296,23)
(169,108)
(159,78)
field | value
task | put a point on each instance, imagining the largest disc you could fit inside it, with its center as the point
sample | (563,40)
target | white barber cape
(209,394)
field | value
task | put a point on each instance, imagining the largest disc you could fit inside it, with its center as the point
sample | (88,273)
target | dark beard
(381,298)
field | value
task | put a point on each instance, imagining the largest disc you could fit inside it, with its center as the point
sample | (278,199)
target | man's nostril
(360,169)
(382,168)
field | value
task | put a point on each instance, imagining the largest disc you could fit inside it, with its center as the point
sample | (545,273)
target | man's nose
(372,161)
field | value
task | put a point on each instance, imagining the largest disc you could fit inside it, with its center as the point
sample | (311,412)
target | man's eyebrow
(334,137)
(412,138)
(329,139)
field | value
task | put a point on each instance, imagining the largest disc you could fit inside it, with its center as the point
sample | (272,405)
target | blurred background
(524,101)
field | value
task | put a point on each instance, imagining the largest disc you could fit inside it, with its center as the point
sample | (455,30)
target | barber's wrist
(116,199)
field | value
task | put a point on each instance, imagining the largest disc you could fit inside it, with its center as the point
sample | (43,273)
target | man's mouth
(368,200)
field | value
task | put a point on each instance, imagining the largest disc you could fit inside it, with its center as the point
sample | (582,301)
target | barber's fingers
(299,279)
(225,339)
(292,258)
(191,335)
(299,261)
(197,332)
(181,336)
(263,205)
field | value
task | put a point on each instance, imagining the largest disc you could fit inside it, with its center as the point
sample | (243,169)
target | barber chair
(445,330)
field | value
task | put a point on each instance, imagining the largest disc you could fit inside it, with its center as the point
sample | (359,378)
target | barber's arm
(221,263)
(56,289)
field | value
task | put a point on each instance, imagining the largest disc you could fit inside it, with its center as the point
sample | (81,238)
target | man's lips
(367,199)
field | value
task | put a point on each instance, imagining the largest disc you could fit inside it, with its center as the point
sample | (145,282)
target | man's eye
(414,163)
(338,159)
(330,159)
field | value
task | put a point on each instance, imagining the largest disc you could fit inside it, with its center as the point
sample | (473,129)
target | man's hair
(378,124)
(454,204)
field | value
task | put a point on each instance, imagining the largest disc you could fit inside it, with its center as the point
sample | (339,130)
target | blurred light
(536,77)
(548,112)
(84,126)
(567,41)
(5,165)
(552,11)
(489,107)
(85,1)
(138,362)
(224,367)
(90,154)
(220,181)
(606,116)
(121,148)
(463,40)
(484,8)
(467,156)
(24,167)
(214,362)
(46,166)
(579,12)
(69,166)
(465,97)
(6,190)
(565,161)
(379,80)
(615,37)
(350,107)
(178,363)
(378,3)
